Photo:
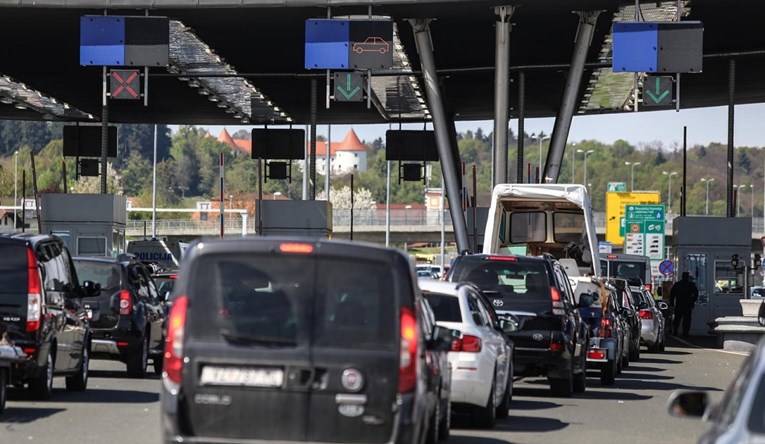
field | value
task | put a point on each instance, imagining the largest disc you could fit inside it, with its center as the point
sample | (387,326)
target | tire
(504,405)
(444,427)
(3,389)
(608,373)
(656,347)
(41,387)
(635,352)
(486,416)
(663,340)
(79,382)
(139,360)
(563,387)
(157,363)
(580,380)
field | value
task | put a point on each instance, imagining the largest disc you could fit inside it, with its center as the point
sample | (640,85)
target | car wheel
(79,382)
(41,387)
(635,351)
(139,360)
(608,373)
(444,427)
(158,365)
(486,416)
(663,340)
(3,388)
(655,348)
(580,379)
(563,387)
(504,405)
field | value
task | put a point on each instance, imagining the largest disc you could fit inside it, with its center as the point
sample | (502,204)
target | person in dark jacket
(682,297)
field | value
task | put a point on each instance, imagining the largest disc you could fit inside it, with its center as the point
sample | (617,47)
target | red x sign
(125,84)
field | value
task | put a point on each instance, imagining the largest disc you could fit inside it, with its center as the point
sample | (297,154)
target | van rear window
(13,268)
(446,308)
(326,301)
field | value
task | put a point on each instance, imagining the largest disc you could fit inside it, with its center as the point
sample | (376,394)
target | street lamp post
(586,153)
(738,198)
(541,139)
(751,201)
(708,181)
(669,189)
(15,188)
(632,173)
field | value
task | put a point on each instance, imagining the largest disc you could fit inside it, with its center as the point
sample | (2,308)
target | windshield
(104,273)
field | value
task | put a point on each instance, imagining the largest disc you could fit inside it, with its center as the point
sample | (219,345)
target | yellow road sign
(615,203)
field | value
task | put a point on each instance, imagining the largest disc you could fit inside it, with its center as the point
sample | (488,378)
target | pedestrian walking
(682,297)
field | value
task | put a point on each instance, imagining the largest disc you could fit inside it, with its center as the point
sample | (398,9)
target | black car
(127,314)
(627,309)
(40,312)
(299,340)
(551,338)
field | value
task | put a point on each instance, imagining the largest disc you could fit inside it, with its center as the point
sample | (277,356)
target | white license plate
(89,313)
(242,376)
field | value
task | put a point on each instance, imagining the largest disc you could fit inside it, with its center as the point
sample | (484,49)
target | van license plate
(242,376)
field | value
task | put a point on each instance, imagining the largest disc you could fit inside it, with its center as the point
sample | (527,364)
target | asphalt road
(116,409)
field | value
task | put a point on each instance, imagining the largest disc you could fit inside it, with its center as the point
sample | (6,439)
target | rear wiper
(268,340)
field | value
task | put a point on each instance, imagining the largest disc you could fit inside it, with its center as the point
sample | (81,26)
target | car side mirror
(626,312)
(662,306)
(761,315)
(441,339)
(509,324)
(91,288)
(164,297)
(688,404)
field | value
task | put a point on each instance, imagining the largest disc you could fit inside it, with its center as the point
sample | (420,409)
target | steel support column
(521,125)
(730,209)
(422,39)
(501,92)
(587,20)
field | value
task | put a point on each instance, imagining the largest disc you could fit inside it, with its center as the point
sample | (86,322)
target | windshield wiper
(267,340)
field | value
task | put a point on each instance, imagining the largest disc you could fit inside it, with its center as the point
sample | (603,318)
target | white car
(481,356)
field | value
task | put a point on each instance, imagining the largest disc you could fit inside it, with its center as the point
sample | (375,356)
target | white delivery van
(532,219)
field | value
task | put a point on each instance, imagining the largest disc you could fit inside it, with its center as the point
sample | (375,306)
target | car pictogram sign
(125,84)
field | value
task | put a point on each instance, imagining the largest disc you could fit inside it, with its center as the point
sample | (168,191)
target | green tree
(136,174)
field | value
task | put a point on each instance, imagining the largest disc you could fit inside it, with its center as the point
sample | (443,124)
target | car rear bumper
(469,387)
(535,362)
(113,348)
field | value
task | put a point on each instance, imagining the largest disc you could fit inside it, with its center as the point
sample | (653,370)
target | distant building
(345,157)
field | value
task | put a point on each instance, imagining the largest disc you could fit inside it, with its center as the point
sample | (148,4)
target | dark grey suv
(297,340)
(551,338)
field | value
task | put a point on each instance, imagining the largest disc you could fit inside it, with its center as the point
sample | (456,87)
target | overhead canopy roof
(262,42)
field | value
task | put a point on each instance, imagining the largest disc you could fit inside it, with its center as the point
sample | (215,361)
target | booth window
(696,264)
(91,246)
(726,278)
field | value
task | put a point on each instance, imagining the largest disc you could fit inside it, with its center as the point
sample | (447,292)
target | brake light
(606,328)
(645,314)
(612,256)
(467,343)
(34,301)
(648,287)
(557,303)
(173,276)
(126,304)
(556,346)
(502,258)
(407,372)
(30,350)
(596,354)
(176,325)
(296,248)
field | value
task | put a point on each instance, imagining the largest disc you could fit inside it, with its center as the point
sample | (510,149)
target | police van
(165,254)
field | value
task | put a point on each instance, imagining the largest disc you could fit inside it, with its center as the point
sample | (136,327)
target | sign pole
(104,131)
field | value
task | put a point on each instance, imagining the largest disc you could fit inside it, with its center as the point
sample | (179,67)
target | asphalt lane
(117,409)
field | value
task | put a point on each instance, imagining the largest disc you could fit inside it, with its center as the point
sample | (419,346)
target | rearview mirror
(662,306)
(688,404)
(761,314)
(509,323)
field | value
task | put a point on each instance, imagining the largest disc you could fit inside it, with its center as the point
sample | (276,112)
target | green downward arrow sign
(347,91)
(657,96)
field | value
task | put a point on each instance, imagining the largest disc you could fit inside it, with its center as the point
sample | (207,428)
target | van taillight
(176,325)
(34,301)
(646,314)
(648,287)
(606,328)
(126,304)
(407,372)
(557,303)
(467,343)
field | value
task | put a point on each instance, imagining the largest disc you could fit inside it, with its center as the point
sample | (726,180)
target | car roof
(32,238)
(443,287)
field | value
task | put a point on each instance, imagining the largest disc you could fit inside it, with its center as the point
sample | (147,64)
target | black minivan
(297,340)
(40,312)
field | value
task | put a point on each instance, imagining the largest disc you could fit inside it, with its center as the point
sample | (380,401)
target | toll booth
(312,218)
(704,247)
(89,224)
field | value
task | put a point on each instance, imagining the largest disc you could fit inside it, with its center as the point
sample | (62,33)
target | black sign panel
(125,84)
(370,44)
(410,145)
(85,141)
(89,167)
(278,144)
(147,41)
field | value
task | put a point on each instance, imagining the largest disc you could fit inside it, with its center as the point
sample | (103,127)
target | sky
(705,125)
